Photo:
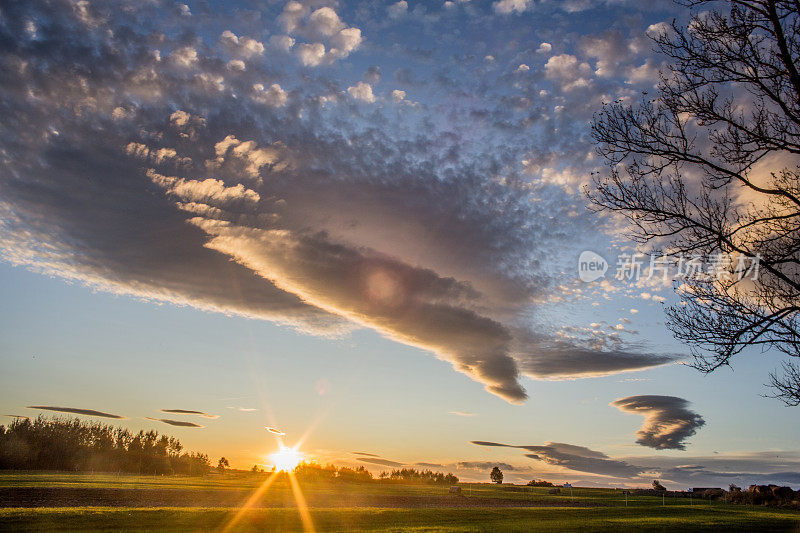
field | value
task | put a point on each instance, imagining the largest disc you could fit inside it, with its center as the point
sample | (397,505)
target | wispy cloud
(178,423)
(75,411)
(380,461)
(429,465)
(189,412)
(462,413)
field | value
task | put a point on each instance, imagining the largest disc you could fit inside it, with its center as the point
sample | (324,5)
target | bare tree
(709,167)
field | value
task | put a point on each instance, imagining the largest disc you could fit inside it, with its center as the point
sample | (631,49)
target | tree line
(411,475)
(78,445)
(310,471)
(72,444)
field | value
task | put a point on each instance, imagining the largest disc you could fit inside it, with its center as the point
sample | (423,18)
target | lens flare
(286,458)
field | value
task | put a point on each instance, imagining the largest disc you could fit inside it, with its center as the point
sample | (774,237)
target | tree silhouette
(709,169)
(496,475)
(222,464)
(658,486)
(74,444)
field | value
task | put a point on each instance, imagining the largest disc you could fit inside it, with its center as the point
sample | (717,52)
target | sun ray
(317,419)
(251,501)
(302,507)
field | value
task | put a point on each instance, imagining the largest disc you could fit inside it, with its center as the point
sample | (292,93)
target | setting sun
(286,458)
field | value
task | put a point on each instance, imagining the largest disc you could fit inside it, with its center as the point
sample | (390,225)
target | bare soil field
(118,497)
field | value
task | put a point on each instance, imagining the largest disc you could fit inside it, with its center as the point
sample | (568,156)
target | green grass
(124,481)
(588,510)
(244,482)
(677,518)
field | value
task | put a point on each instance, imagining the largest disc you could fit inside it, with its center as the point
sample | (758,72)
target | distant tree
(708,169)
(412,475)
(222,464)
(734,488)
(539,483)
(314,472)
(496,475)
(658,486)
(256,469)
(310,471)
(77,445)
(358,474)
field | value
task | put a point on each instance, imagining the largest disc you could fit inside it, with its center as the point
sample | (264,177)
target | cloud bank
(574,457)
(717,470)
(188,159)
(667,421)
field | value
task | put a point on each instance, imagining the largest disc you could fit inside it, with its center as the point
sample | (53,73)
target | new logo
(591,266)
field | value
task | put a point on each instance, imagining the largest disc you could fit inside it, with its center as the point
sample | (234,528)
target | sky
(359,223)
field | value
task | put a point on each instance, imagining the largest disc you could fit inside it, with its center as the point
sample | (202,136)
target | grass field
(45,501)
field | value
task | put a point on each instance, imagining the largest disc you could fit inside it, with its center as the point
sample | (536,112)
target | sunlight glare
(286,458)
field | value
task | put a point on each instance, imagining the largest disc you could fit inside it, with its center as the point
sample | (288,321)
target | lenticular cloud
(667,420)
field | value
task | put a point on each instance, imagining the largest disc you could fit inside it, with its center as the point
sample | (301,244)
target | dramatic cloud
(75,411)
(189,412)
(414,306)
(667,421)
(184,160)
(574,457)
(720,469)
(565,359)
(178,423)
(716,470)
(366,454)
